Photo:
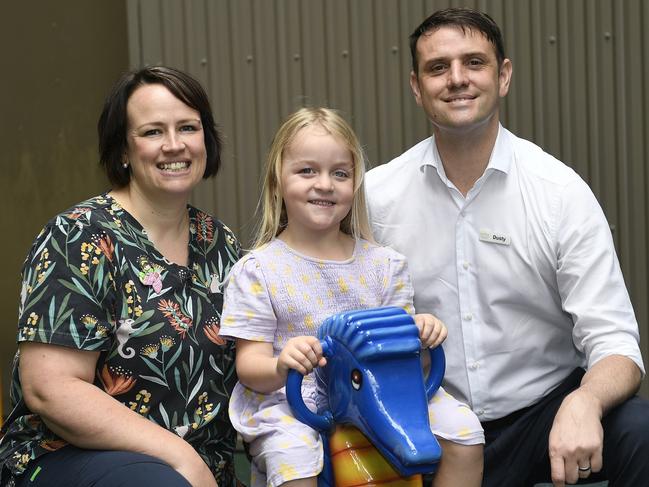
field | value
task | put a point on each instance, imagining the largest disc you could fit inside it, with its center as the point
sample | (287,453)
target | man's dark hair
(464,18)
(113,122)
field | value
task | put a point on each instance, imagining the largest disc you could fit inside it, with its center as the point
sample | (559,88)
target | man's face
(458,83)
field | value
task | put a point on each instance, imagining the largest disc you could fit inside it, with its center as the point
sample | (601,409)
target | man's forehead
(465,31)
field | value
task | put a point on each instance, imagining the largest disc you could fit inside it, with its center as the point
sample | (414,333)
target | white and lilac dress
(274,294)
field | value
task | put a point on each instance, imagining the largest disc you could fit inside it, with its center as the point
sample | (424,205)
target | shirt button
(465,264)
(479,412)
(468,317)
(474,365)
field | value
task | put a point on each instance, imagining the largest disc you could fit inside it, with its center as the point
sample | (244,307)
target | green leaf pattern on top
(94,281)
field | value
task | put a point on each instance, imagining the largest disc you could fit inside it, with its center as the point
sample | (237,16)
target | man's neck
(465,155)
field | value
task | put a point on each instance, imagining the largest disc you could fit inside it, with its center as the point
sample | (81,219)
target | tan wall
(580,89)
(58,62)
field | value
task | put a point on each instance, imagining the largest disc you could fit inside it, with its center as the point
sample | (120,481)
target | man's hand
(576,438)
(432,332)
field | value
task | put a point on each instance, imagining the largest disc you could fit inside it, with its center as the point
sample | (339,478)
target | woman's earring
(125,165)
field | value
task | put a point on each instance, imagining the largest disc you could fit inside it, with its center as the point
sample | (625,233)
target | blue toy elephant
(373,380)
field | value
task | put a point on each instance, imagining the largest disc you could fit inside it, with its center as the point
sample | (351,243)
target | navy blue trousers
(75,467)
(516,449)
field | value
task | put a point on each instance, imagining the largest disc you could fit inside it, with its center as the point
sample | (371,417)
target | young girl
(314,257)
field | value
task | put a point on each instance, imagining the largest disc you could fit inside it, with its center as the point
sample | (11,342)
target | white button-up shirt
(522,270)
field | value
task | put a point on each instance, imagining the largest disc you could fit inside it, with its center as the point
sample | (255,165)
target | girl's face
(166,145)
(317,180)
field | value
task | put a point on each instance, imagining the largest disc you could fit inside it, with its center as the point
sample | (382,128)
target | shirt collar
(500,159)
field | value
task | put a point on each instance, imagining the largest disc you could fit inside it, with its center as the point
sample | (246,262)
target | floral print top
(94,281)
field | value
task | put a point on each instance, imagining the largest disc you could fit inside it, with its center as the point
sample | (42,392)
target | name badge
(494,237)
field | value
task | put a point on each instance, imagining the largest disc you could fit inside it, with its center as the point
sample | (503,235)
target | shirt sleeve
(590,280)
(397,286)
(67,288)
(247,309)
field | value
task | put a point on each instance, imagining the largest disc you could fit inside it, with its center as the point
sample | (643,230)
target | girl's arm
(58,386)
(260,371)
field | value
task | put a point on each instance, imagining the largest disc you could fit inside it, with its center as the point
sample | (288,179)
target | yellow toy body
(356,463)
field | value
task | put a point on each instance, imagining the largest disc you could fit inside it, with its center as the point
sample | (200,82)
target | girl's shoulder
(254,259)
(272,253)
(256,268)
(262,254)
(377,251)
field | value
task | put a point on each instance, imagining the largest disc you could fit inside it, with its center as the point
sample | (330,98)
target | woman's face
(166,145)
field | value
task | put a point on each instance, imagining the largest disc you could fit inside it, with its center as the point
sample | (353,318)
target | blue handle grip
(323,423)
(437,370)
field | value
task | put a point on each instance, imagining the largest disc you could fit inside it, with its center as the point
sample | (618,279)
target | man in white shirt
(509,247)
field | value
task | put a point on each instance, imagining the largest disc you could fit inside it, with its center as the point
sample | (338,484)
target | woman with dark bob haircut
(121,377)
(112,126)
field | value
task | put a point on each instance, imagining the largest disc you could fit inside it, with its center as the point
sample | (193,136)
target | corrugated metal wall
(580,88)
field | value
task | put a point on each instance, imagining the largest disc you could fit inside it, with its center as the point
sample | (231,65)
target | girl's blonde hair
(271,204)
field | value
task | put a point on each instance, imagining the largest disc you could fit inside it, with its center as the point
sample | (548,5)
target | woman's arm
(58,386)
(261,372)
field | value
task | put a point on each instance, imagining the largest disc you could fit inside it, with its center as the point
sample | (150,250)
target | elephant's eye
(357,379)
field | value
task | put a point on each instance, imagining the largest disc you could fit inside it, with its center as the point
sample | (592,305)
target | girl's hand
(432,332)
(302,353)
